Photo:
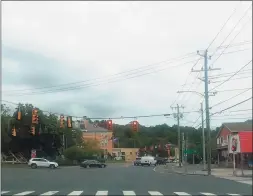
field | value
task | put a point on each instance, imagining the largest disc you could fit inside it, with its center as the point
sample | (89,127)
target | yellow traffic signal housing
(13,132)
(69,122)
(19,115)
(32,130)
(61,121)
(35,117)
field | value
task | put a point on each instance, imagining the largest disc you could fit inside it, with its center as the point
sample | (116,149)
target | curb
(192,173)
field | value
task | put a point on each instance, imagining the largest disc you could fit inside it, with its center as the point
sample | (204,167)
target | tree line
(48,139)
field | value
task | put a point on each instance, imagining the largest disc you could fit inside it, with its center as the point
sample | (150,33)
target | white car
(148,160)
(40,162)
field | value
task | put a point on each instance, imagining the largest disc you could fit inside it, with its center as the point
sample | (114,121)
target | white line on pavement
(75,193)
(129,193)
(181,193)
(3,192)
(50,193)
(232,194)
(155,193)
(102,193)
(25,193)
(208,194)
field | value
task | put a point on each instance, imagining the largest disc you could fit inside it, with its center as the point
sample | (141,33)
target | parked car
(137,162)
(40,162)
(92,164)
(250,163)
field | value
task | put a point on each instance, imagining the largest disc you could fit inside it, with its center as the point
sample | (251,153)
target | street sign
(190,151)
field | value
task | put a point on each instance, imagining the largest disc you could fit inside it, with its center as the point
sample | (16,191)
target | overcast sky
(88,44)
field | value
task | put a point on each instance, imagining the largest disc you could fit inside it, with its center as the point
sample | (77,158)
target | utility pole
(206,81)
(183,149)
(178,116)
(203,137)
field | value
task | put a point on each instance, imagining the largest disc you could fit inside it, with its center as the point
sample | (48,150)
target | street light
(202,118)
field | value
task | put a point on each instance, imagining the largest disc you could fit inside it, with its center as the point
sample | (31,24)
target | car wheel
(33,166)
(52,166)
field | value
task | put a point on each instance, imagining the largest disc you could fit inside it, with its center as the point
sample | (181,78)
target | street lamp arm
(202,95)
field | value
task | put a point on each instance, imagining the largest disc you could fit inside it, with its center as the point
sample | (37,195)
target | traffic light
(135,125)
(69,122)
(19,115)
(61,121)
(35,117)
(109,125)
(33,130)
(13,132)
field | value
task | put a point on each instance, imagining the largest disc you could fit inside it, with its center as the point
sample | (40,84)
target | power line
(148,67)
(229,98)
(104,118)
(188,76)
(234,26)
(234,114)
(235,44)
(240,78)
(232,106)
(234,118)
(96,84)
(232,75)
(230,90)
(229,43)
(223,26)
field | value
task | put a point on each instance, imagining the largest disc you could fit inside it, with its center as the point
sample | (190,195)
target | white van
(148,160)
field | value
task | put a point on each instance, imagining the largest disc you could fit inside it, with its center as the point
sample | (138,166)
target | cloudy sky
(112,59)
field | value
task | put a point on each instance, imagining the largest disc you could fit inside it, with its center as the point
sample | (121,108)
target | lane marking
(50,193)
(25,193)
(181,193)
(129,193)
(232,194)
(3,192)
(155,193)
(208,194)
(102,193)
(75,193)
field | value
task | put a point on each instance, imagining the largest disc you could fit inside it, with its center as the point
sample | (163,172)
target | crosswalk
(106,193)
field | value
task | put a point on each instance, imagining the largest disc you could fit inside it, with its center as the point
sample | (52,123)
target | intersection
(114,180)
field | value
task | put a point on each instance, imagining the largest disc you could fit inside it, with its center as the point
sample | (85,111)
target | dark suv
(137,162)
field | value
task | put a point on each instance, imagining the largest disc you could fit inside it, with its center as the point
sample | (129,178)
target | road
(116,179)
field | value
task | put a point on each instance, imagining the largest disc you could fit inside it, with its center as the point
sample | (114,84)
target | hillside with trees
(48,140)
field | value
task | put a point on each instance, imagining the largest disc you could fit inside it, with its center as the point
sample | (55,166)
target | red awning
(246,141)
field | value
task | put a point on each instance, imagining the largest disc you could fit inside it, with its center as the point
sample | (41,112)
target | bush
(74,153)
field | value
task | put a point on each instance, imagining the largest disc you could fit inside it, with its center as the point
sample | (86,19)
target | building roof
(236,127)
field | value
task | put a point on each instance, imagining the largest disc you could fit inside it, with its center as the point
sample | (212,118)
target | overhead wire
(234,26)
(100,118)
(229,98)
(147,67)
(231,76)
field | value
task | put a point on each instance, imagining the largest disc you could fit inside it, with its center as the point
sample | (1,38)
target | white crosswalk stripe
(3,192)
(155,193)
(126,193)
(25,193)
(181,193)
(76,193)
(50,193)
(102,193)
(208,194)
(107,193)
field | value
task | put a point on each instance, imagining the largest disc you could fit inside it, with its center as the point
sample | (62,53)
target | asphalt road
(113,180)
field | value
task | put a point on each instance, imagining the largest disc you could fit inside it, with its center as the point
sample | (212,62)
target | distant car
(137,162)
(148,160)
(40,162)
(92,164)
(250,164)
